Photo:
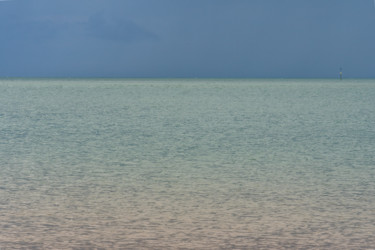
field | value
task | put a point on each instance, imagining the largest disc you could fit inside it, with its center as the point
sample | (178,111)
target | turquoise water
(189,164)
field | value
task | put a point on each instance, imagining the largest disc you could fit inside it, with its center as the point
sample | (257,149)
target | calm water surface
(188,164)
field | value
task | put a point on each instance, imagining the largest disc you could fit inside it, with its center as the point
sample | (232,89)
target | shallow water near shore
(187,163)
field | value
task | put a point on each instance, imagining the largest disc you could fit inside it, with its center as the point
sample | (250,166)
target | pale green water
(191,164)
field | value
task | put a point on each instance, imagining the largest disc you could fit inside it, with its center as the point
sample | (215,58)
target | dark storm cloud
(116,28)
(44,22)
(179,38)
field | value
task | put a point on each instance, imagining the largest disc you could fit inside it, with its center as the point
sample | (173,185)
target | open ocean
(187,164)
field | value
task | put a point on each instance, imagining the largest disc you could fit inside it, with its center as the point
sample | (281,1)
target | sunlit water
(189,164)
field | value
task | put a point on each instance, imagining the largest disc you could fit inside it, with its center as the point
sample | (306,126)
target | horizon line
(166,77)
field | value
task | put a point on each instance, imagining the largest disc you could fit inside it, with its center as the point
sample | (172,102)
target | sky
(187,38)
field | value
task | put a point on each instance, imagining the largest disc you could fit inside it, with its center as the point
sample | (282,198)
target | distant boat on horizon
(340,73)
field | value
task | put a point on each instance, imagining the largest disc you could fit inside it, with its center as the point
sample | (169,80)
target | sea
(187,163)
